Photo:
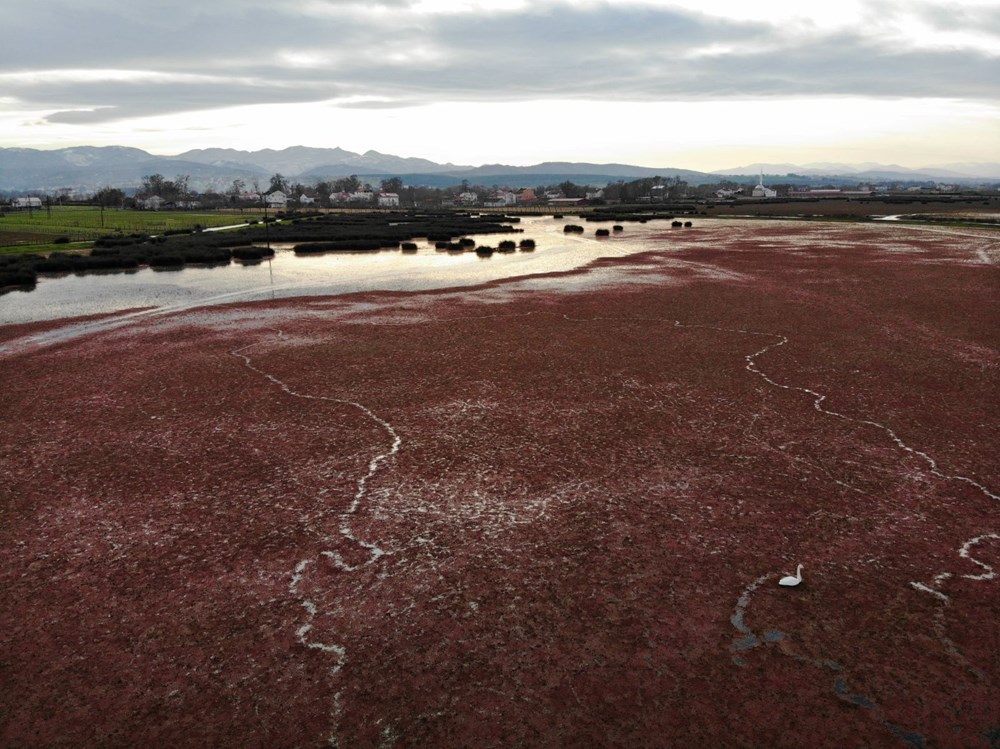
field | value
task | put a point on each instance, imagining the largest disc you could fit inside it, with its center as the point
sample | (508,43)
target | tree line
(657,189)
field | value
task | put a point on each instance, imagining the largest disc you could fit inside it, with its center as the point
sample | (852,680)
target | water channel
(290,275)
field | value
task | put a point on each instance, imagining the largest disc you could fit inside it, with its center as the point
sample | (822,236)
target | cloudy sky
(685,83)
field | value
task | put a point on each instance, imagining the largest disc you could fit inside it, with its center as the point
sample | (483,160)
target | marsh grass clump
(119,240)
(307,232)
(17,272)
(252,253)
(344,245)
(166,261)
(17,278)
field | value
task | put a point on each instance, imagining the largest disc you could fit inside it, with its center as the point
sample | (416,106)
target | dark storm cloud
(228,53)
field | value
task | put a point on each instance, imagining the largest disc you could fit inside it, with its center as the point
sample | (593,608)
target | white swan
(790,581)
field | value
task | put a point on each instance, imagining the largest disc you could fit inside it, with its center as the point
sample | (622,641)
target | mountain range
(88,168)
(869,170)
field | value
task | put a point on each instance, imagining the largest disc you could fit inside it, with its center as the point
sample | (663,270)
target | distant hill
(299,160)
(553,172)
(88,168)
(335,171)
(872,171)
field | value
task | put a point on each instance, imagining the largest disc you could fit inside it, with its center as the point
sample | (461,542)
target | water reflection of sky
(290,275)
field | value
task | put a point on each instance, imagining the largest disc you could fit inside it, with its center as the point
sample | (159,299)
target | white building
(29,202)
(501,199)
(276,199)
(764,192)
(363,196)
(152,203)
(468,198)
(388,200)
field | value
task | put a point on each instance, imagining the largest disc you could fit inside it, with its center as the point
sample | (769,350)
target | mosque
(764,192)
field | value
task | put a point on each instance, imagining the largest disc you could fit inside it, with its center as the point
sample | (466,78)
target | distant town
(330,178)
(158,193)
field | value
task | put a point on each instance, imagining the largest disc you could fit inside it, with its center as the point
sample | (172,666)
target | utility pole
(267,231)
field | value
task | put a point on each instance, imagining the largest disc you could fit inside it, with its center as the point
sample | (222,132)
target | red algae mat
(550,512)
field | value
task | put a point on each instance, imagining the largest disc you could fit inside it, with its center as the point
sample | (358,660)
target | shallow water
(288,275)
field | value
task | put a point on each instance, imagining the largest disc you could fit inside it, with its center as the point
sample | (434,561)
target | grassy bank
(29,229)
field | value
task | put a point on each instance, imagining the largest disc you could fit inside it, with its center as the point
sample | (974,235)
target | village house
(276,199)
(388,200)
(659,193)
(152,203)
(26,202)
(501,199)
(527,197)
(567,202)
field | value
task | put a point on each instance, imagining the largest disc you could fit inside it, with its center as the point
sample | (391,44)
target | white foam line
(932,464)
(818,400)
(940,625)
(818,405)
(932,591)
(817,397)
(375,552)
(964,552)
(373,466)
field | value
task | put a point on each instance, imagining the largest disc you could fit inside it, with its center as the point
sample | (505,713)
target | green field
(37,229)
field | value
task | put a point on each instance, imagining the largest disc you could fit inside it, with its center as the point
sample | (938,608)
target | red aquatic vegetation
(518,515)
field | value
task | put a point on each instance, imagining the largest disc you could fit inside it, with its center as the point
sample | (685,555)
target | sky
(663,83)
